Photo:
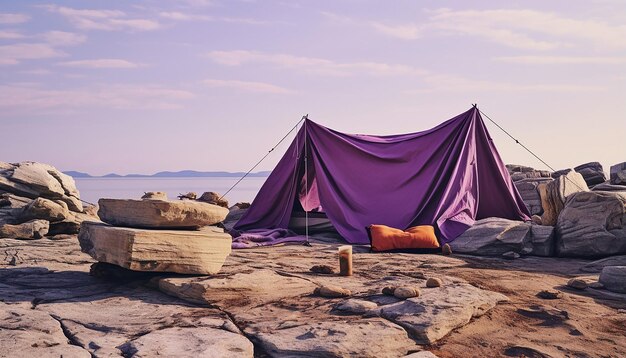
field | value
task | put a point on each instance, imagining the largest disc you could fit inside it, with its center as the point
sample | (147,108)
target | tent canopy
(448,176)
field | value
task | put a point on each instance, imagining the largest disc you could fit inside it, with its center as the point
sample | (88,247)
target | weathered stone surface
(428,318)
(598,265)
(188,252)
(614,278)
(555,193)
(31,333)
(550,294)
(363,338)
(213,198)
(251,288)
(422,354)
(234,214)
(190,342)
(495,236)
(33,229)
(592,172)
(592,224)
(356,306)
(609,187)
(45,209)
(510,255)
(618,174)
(71,225)
(520,172)
(160,213)
(36,176)
(155,195)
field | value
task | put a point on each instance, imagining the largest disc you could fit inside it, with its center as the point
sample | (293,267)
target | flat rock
(154,195)
(33,229)
(598,265)
(528,190)
(614,278)
(592,172)
(362,338)
(592,225)
(190,342)
(240,289)
(188,252)
(31,333)
(435,313)
(160,213)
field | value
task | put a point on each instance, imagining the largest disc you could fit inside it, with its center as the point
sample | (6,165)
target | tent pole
(306,182)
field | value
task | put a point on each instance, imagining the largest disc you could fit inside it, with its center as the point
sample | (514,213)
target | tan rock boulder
(160,214)
(45,209)
(34,229)
(213,198)
(554,194)
(188,252)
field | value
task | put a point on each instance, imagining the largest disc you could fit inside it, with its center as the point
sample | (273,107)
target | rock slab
(555,193)
(618,174)
(188,252)
(158,214)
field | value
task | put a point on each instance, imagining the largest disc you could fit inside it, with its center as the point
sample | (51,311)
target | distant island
(167,174)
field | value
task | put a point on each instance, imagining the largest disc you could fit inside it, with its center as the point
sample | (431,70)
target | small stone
(406,292)
(550,294)
(434,282)
(510,255)
(577,284)
(213,198)
(190,195)
(154,195)
(332,291)
(536,219)
(389,290)
(356,306)
(596,285)
(446,250)
(323,269)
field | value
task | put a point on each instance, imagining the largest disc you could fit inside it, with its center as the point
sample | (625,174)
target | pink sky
(146,86)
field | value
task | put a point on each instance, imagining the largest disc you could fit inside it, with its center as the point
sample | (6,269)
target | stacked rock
(36,200)
(158,235)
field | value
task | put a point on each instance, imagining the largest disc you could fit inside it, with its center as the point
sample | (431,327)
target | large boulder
(592,224)
(32,180)
(554,194)
(159,214)
(614,278)
(618,174)
(188,252)
(34,229)
(495,236)
(592,172)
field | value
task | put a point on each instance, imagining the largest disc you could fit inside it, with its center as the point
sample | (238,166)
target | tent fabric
(448,176)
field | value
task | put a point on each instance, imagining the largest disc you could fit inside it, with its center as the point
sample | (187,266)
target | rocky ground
(262,304)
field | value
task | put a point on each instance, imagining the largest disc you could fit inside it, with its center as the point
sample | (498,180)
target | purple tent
(449,177)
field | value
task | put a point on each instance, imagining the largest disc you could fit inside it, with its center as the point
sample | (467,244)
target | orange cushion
(386,238)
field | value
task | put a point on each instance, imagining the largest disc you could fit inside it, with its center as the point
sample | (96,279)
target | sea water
(92,189)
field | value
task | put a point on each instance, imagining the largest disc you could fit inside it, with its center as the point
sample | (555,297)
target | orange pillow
(385,238)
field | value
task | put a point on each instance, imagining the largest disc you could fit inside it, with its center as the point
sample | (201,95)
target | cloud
(10,35)
(405,32)
(311,64)
(562,60)
(31,99)
(179,16)
(8,18)
(525,29)
(248,86)
(453,83)
(37,72)
(107,20)
(100,63)
(62,38)
(13,54)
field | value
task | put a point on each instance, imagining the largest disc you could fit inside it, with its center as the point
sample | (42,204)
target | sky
(146,86)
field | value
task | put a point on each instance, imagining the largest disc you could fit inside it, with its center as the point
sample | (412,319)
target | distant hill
(167,174)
